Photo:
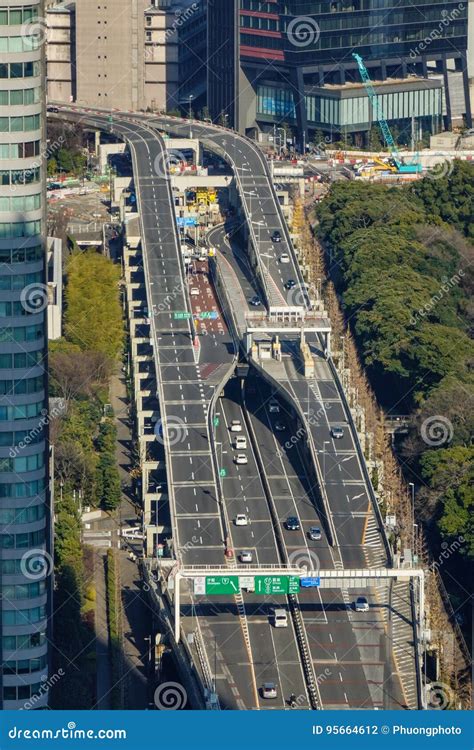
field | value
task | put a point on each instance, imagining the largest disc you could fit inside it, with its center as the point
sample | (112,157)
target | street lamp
(412,488)
(284,135)
(190,97)
(326,442)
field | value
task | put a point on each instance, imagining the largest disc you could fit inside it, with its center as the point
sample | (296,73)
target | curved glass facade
(24,539)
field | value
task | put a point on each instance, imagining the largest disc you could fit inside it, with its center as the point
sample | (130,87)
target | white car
(361,604)
(194,292)
(241,519)
(241,458)
(274,407)
(284,258)
(236,425)
(246,556)
(269,690)
(240,443)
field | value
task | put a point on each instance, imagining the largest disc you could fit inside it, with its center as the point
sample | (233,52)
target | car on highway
(236,425)
(361,604)
(292,523)
(241,519)
(290,284)
(240,443)
(337,432)
(274,406)
(314,533)
(246,556)
(269,690)
(279,617)
(284,258)
(276,236)
(255,301)
(280,426)
(194,291)
(241,458)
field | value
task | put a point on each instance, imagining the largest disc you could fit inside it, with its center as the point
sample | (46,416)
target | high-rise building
(25,540)
(273,61)
(116,54)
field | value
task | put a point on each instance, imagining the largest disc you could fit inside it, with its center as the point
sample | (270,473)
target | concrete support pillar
(297,85)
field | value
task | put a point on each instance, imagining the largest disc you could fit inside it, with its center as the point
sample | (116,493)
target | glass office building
(293,60)
(25,544)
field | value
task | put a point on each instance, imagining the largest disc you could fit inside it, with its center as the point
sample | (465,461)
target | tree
(93,319)
(52,167)
(449,474)
(76,374)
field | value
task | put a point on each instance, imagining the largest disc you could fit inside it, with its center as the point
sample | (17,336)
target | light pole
(412,488)
(269,258)
(326,442)
(190,97)
(284,137)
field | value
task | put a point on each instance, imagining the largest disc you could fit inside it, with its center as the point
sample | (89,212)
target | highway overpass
(326,486)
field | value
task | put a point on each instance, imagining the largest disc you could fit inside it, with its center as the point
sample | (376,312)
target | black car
(290,284)
(276,236)
(292,523)
(256,301)
(53,109)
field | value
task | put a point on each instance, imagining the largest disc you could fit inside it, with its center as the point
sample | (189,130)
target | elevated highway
(344,502)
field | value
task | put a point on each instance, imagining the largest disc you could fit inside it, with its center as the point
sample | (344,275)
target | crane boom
(378,112)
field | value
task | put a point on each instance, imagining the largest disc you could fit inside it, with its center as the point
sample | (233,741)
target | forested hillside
(401,259)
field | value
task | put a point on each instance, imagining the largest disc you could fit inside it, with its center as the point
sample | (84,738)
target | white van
(279,617)
(240,443)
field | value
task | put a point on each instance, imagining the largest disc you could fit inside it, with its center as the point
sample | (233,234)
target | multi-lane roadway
(350,651)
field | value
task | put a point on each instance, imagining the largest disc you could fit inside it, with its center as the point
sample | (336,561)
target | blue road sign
(307,583)
(186,221)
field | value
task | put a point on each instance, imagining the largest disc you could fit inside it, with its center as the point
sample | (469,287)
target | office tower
(292,61)
(25,543)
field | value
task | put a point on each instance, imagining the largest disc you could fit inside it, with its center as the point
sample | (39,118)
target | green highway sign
(181,315)
(277,584)
(216,421)
(223,473)
(222,585)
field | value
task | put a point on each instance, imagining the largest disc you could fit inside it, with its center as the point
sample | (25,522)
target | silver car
(269,690)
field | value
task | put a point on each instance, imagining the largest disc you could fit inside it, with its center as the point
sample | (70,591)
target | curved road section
(192,358)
